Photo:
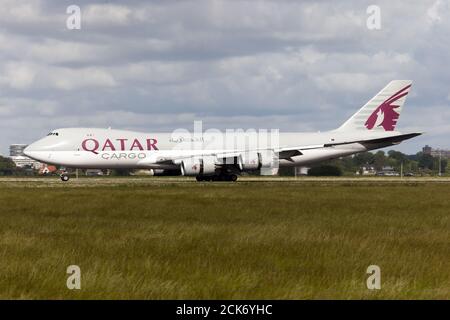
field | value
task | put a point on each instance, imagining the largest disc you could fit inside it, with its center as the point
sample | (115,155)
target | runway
(143,180)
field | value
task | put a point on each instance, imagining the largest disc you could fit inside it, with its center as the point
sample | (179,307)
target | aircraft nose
(27,150)
(31,152)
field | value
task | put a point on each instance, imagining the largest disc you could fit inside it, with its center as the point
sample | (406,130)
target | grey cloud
(159,65)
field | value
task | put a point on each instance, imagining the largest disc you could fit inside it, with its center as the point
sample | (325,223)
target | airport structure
(444,153)
(16,150)
(20,159)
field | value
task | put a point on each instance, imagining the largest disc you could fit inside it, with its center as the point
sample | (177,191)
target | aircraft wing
(389,140)
(393,139)
(283,153)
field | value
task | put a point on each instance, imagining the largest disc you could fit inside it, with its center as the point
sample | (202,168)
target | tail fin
(382,111)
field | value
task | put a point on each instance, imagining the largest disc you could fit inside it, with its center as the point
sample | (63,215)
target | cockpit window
(53,134)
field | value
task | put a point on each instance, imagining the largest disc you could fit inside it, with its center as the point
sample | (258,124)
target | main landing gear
(64,177)
(226,177)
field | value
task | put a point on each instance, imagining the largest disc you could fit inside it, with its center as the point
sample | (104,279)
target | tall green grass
(249,240)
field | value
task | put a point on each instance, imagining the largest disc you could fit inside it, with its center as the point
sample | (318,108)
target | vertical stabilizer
(382,112)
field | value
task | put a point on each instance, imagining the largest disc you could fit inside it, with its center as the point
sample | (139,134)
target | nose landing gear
(64,177)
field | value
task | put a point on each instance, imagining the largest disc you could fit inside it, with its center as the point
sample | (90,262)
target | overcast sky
(160,65)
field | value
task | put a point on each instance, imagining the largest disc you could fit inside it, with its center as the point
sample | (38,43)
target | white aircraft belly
(315,155)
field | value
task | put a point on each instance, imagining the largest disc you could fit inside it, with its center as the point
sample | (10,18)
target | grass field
(157,238)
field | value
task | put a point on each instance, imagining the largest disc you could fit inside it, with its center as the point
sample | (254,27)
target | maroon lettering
(108,144)
(151,144)
(94,146)
(136,144)
(122,143)
(93,149)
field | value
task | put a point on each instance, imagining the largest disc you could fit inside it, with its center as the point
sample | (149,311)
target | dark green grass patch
(248,240)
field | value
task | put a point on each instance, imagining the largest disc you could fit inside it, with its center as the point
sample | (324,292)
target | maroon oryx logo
(385,115)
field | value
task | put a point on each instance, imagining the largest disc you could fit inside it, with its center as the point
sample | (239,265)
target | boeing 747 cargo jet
(206,156)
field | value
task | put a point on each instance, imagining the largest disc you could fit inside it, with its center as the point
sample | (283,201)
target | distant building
(444,153)
(441,152)
(301,171)
(426,150)
(387,171)
(22,161)
(16,150)
(94,172)
(367,171)
(18,157)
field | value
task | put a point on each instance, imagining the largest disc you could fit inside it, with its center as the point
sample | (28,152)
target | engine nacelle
(269,163)
(190,167)
(267,159)
(208,165)
(256,160)
(196,166)
(249,161)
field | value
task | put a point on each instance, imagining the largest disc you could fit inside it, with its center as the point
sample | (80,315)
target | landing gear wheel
(225,177)
(64,177)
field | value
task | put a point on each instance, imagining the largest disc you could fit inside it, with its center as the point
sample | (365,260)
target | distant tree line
(418,164)
(8,168)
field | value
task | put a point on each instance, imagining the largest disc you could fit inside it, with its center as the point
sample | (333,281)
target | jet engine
(198,166)
(249,161)
(268,159)
(256,160)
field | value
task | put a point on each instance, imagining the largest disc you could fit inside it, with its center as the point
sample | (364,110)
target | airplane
(371,127)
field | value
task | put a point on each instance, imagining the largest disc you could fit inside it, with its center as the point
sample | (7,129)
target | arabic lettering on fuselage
(186,139)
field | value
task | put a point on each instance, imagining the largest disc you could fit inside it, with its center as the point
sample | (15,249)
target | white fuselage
(109,148)
(213,153)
